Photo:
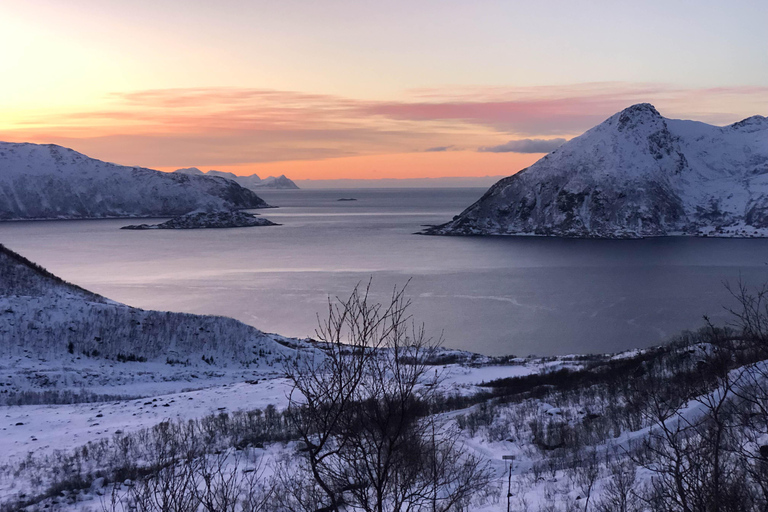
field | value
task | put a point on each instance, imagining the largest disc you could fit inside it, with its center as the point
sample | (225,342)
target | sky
(359,89)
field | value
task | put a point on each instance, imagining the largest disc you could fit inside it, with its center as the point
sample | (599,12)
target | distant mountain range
(442,182)
(42,315)
(637,174)
(251,182)
(52,182)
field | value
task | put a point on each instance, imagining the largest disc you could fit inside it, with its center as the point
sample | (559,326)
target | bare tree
(692,447)
(587,474)
(750,315)
(362,411)
(219,482)
(619,494)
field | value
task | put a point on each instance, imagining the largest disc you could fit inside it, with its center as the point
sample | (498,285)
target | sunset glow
(304,91)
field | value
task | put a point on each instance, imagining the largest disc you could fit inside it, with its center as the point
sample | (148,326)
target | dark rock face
(635,175)
(205,220)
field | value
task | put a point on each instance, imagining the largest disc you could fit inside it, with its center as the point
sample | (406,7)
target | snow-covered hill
(45,317)
(251,182)
(52,182)
(637,174)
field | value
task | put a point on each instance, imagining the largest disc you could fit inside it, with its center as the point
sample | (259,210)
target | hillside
(637,174)
(252,181)
(52,182)
(44,316)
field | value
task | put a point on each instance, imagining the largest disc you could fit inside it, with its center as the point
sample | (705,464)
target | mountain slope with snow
(637,174)
(44,316)
(251,182)
(52,182)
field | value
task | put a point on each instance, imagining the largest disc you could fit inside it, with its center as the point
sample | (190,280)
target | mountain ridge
(252,181)
(47,181)
(635,175)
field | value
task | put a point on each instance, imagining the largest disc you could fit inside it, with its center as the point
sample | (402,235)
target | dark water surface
(494,295)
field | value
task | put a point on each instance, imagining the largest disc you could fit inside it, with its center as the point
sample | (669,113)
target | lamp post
(511,459)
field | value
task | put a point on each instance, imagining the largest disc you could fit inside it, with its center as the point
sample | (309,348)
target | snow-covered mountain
(251,182)
(52,182)
(46,317)
(637,174)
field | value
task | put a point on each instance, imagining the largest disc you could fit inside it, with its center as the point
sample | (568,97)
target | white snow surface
(637,174)
(46,181)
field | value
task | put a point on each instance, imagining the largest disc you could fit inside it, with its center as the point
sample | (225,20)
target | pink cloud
(564,110)
(238,125)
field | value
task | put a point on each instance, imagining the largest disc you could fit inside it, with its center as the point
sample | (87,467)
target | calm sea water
(494,295)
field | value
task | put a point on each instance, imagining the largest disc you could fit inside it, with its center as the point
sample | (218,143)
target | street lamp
(511,459)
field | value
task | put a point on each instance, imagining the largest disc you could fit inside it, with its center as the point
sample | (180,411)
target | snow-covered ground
(160,393)
(163,392)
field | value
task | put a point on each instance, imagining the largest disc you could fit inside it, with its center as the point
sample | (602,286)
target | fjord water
(494,295)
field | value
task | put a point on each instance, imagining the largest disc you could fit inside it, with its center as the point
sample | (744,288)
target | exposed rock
(204,220)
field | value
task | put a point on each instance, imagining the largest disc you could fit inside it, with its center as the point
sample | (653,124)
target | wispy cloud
(524,146)
(218,126)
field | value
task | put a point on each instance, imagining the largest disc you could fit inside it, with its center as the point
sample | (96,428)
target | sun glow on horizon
(390,166)
(308,91)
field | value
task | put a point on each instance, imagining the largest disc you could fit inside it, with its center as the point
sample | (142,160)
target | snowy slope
(52,182)
(251,182)
(637,174)
(43,316)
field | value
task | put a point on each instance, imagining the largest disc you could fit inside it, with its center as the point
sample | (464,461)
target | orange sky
(476,131)
(398,165)
(346,89)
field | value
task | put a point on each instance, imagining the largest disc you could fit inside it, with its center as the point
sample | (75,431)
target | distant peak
(641,107)
(189,170)
(632,117)
(752,123)
(640,110)
(35,146)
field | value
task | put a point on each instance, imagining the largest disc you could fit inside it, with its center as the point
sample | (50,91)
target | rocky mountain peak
(642,114)
(751,124)
(189,170)
(637,174)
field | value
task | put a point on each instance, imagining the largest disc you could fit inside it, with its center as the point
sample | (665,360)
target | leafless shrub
(362,414)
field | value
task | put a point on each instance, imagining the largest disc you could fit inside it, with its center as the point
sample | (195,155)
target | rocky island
(204,220)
